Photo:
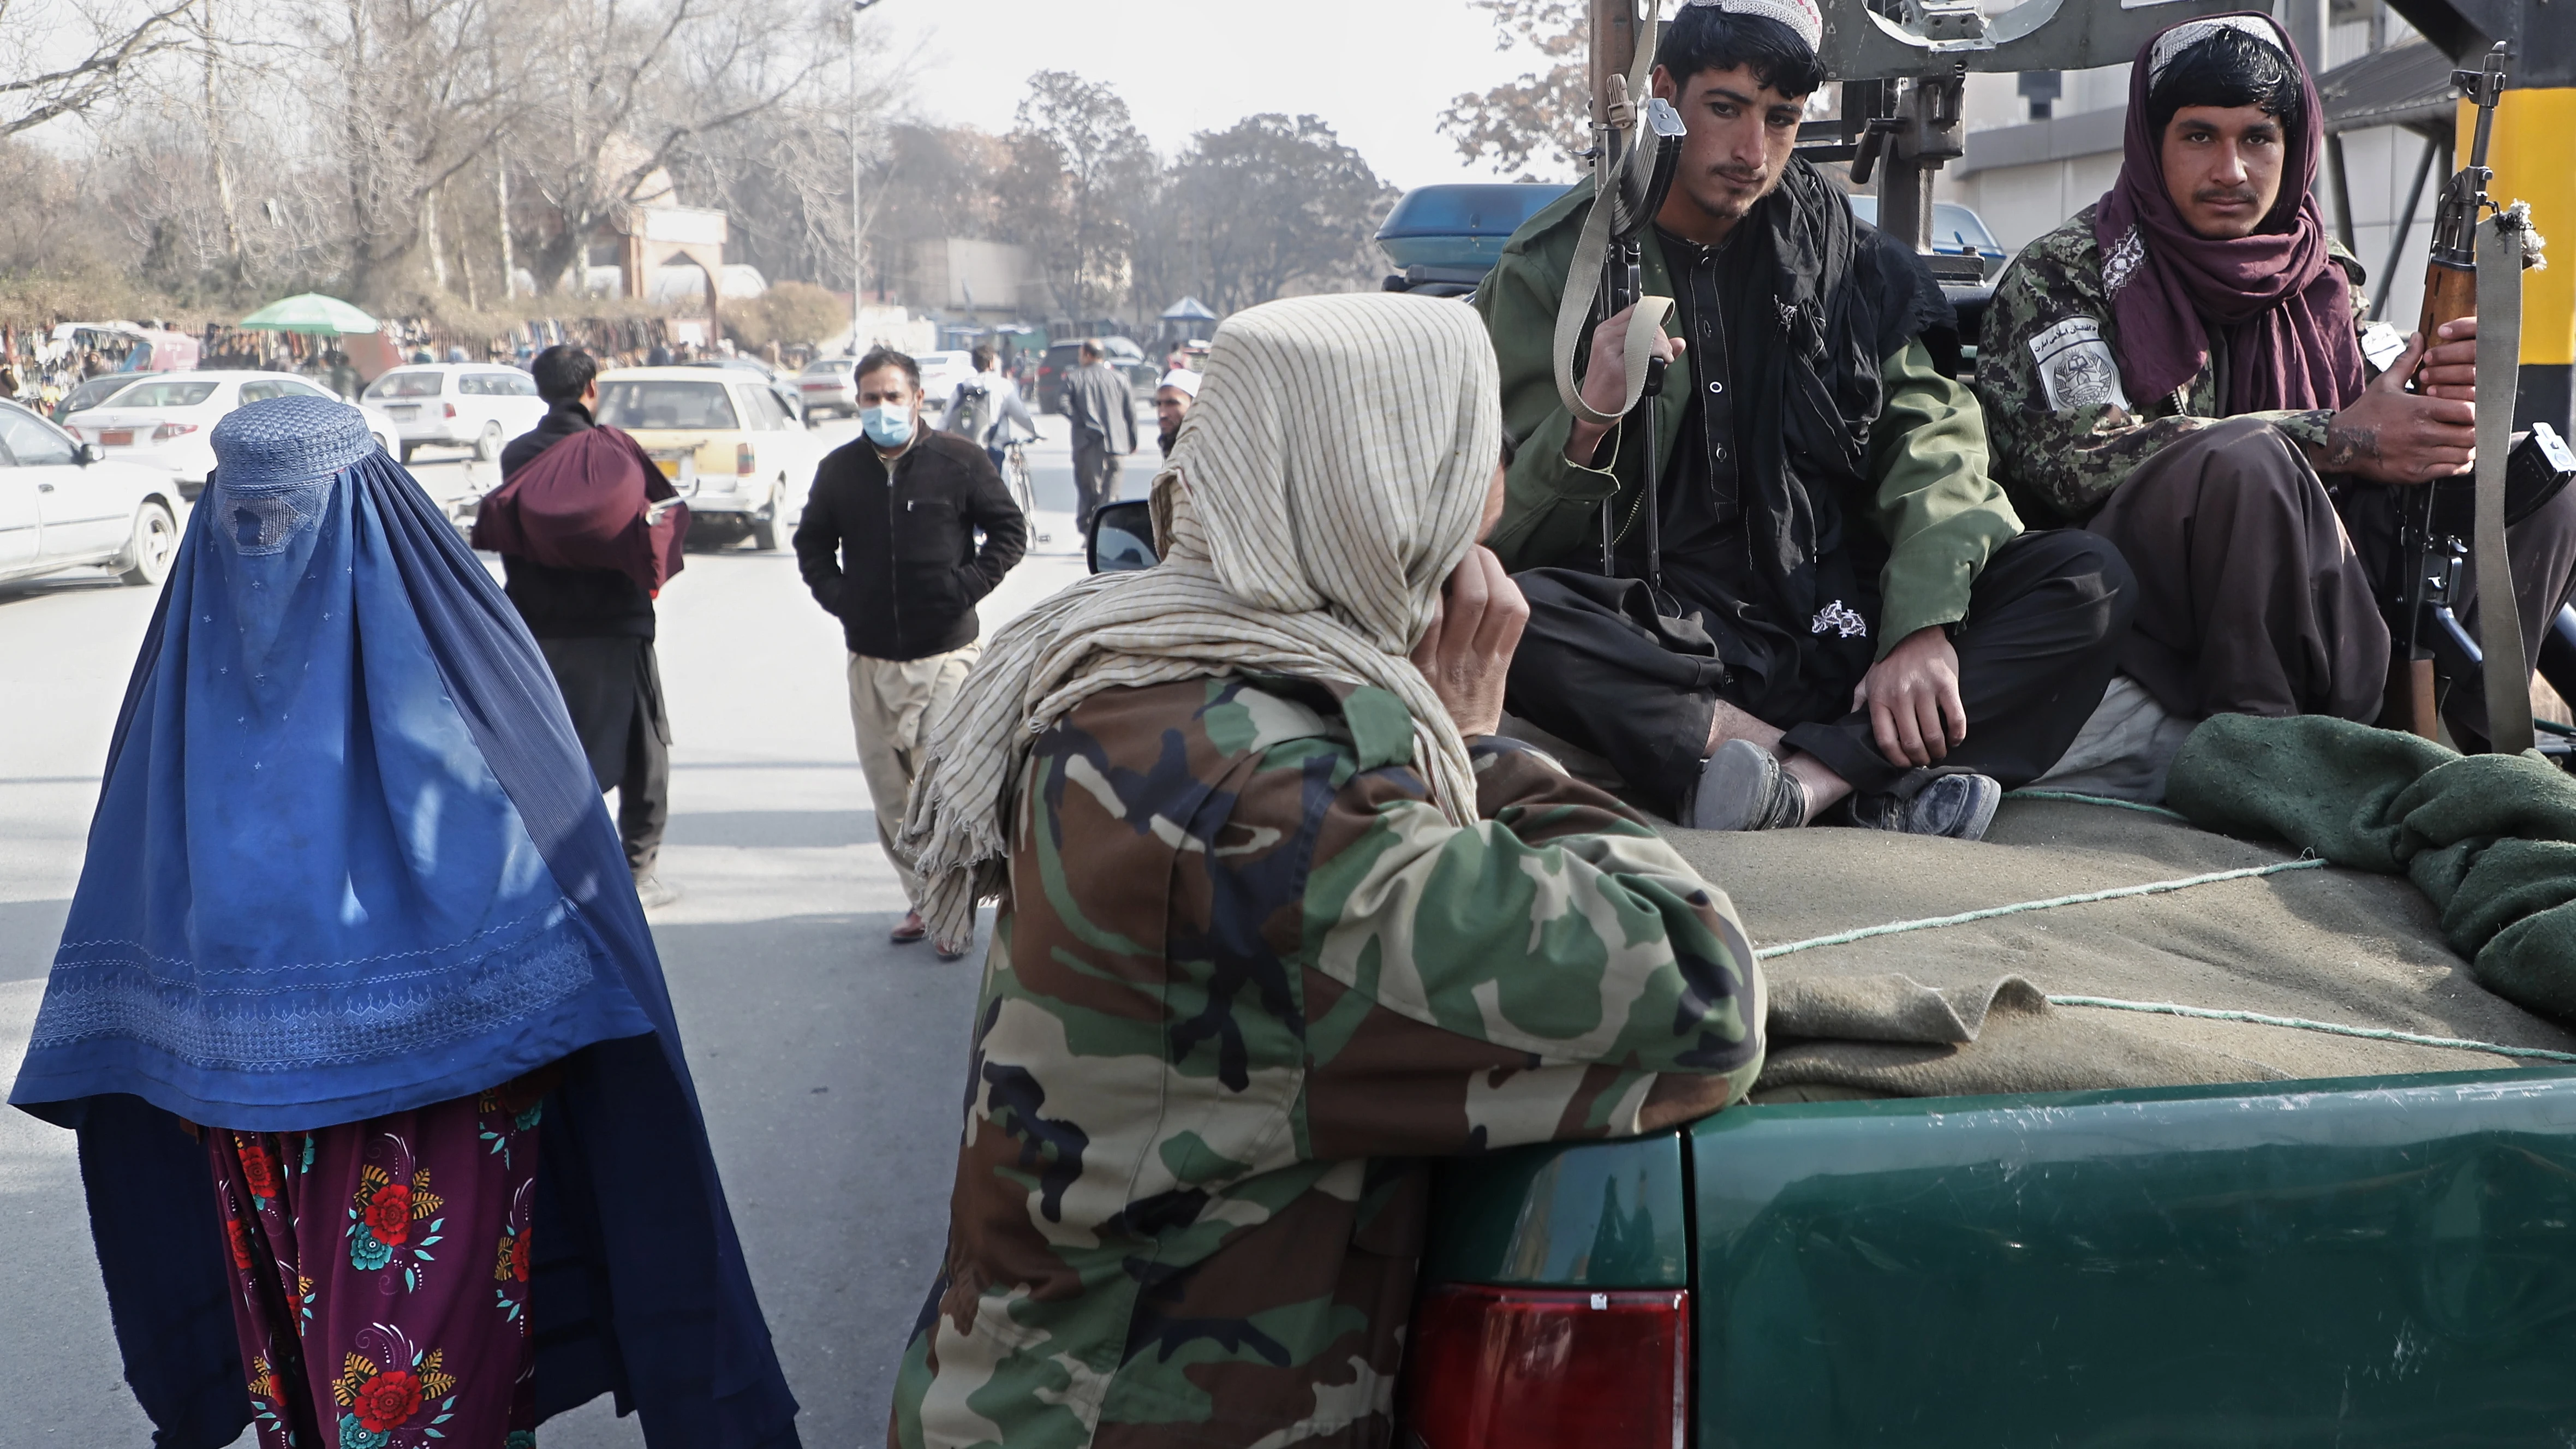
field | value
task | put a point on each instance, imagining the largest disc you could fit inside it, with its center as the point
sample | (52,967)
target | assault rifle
(2430,548)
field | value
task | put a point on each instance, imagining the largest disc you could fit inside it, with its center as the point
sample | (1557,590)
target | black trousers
(613,690)
(2045,617)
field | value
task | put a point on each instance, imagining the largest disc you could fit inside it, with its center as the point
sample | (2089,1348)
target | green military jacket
(1939,512)
(1246,979)
(2066,432)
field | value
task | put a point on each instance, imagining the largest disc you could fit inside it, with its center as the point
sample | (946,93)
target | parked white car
(63,505)
(457,404)
(940,374)
(169,420)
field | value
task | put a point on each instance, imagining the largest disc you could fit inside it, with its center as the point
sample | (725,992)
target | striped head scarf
(1331,475)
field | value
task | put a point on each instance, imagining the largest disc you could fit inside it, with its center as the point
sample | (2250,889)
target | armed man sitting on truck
(1853,618)
(2183,369)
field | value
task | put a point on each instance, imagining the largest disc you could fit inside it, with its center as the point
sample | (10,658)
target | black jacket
(569,603)
(898,565)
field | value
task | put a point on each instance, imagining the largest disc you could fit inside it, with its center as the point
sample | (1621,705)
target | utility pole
(858,216)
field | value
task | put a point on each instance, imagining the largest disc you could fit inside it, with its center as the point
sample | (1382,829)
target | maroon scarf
(581,504)
(2286,304)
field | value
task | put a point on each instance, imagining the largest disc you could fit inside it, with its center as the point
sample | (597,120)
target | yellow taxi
(752,458)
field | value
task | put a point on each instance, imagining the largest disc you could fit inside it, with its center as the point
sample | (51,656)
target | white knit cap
(1801,16)
(1182,378)
(2191,32)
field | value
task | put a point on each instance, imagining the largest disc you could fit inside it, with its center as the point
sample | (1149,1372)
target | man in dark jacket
(595,627)
(888,547)
(1103,414)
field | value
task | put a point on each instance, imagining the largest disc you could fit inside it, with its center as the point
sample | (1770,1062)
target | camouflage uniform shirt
(2065,432)
(1249,977)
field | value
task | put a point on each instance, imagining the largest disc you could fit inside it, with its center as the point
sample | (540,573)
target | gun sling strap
(2500,247)
(1592,246)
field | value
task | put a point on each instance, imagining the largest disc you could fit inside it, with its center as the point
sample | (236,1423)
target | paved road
(828,1059)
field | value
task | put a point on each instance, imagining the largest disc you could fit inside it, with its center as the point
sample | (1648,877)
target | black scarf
(1813,310)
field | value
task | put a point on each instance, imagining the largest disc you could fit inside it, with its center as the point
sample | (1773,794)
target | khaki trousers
(891,701)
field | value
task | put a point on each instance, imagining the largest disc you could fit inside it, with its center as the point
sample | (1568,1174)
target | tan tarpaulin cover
(1944,1012)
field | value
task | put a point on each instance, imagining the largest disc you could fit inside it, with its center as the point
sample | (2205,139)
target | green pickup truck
(2103,1131)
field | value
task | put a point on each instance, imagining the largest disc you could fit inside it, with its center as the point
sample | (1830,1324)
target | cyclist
(987,408)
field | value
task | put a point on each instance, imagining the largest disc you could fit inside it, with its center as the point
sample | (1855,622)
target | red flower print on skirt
(389,1213)
(258,1166)
(383,1402)
(350,1301)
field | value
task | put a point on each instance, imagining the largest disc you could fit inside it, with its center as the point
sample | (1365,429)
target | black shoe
(1955,807)
(1742,787)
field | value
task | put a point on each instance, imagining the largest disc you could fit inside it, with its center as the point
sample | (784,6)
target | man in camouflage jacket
(2262,533)
(1249,979)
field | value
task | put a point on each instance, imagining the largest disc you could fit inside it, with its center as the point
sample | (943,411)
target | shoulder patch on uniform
(1381,727)
(2076,367)
(2381,345)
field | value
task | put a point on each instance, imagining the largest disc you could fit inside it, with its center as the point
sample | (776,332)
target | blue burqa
(349,859)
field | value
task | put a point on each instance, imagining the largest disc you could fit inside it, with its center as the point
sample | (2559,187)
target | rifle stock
(2450,293)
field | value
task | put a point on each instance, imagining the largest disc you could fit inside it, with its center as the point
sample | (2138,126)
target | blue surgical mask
(887,427)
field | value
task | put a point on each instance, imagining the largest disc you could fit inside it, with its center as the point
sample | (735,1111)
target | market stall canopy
(311,312)
(1188,309)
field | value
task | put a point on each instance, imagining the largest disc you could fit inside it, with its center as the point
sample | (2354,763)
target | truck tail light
(1500,1368)
(742,460)
(166,431)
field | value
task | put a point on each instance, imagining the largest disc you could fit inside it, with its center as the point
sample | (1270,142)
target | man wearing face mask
(888,547)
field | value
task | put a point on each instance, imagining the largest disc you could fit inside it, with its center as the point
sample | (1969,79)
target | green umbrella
(311,312)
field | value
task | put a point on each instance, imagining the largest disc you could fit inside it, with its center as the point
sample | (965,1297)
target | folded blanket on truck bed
(2489,839)
(1963,1008)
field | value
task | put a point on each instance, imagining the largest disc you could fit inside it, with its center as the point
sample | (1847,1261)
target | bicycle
(1023,485)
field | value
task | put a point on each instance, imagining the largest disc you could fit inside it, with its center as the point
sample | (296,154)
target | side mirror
(92,453)
(1122,537)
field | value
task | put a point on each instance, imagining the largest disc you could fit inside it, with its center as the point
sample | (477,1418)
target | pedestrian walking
(1269,853)
(888,547)
(585,548)
(1103,414)
(352,991)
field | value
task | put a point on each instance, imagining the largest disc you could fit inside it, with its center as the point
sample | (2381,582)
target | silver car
(827,385)
(63,505)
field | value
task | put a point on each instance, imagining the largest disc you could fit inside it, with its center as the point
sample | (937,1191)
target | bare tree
(1534,124)
(1077,165)
(69,59)
(629,84)
(1276,204)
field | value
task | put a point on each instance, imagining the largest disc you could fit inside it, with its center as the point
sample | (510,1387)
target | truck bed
(1963,1009)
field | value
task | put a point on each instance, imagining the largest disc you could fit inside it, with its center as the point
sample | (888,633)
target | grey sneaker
(655,892)
(1957,807)
(1742,787)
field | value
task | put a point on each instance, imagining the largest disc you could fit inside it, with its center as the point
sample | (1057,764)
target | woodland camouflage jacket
(2064,431)
(1248,979)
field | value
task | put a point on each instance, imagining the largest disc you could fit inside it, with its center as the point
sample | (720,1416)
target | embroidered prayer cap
(288,440)
(2191,32)
(1180,379)
(1801,16)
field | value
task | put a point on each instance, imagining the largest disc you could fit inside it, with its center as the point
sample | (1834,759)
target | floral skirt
(381,1274)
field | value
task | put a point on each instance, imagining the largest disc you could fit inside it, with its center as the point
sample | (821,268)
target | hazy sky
(1378,71)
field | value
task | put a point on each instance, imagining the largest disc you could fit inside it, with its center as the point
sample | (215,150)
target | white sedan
(63,505)
(167,419)
(480,405)
(940,374)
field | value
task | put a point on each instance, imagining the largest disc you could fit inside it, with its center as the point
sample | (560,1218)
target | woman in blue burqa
(386,1130)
